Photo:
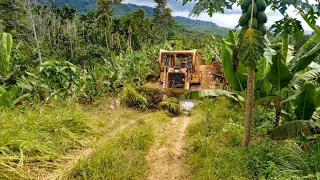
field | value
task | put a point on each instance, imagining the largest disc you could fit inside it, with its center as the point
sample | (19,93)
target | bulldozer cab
(179,69)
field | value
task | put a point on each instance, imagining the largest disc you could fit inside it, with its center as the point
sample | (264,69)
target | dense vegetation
(215,146)
(56,65)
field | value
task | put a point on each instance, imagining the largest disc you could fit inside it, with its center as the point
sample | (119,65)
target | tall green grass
(214,150)
(214,141)
(34,138)
(123,157)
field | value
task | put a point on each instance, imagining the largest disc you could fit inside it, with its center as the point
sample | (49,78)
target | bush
(171,105)
(132,98)
(263,120)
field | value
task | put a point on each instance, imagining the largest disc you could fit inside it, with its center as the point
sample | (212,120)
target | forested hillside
(204,27)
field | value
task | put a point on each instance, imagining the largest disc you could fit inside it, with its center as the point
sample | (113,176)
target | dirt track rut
(165,159)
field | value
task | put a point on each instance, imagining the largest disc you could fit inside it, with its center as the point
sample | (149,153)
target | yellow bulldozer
(184,70)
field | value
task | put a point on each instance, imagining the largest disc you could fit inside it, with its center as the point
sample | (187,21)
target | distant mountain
(83,6)
(205,27)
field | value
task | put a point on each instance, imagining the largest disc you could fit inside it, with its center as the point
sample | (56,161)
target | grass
(123,157)
(33,138)
(35,141)
(214,147)
(214,140)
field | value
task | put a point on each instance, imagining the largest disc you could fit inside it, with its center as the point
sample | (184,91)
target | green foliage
(214,139)
(207,93)
(251,47)
(304,58)
(39,136)
(267,159)
(211,6)
(279,75)
(300,79)
(293,129)
(122,157)
(305,102)
(61,77)
(132,98)
(238,79)
(9,96)
(172,105)
(211,50)
(214,151)
(263,120)
(5,55)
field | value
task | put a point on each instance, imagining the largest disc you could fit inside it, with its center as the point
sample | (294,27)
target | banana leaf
(300,79)
(304,58)
(317,99)
(279,75)
(305,102)
(294,128)
(212,93)
(238,79)
(316,115)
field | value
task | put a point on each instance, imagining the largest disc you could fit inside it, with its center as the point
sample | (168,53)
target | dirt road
(165,158)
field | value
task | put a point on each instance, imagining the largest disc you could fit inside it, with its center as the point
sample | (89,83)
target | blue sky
(228,19)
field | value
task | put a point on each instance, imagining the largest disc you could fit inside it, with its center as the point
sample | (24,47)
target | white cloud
(229,19)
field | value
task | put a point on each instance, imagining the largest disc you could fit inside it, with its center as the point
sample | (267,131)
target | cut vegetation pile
(32,140)
(131,98)
(150,97)
(154,94)
(171,105)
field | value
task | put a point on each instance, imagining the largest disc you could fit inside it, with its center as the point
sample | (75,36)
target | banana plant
(5,56)
(288,80)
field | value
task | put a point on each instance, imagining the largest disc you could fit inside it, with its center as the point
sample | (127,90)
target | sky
(229,19)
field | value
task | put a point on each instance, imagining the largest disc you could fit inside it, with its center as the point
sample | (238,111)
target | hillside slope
(205,27)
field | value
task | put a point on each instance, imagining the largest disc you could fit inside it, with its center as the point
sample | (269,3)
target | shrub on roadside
(263,120)
(131,98)
(171,105)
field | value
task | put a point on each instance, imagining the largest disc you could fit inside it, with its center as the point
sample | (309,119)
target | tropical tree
(162,19)
(249,49)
